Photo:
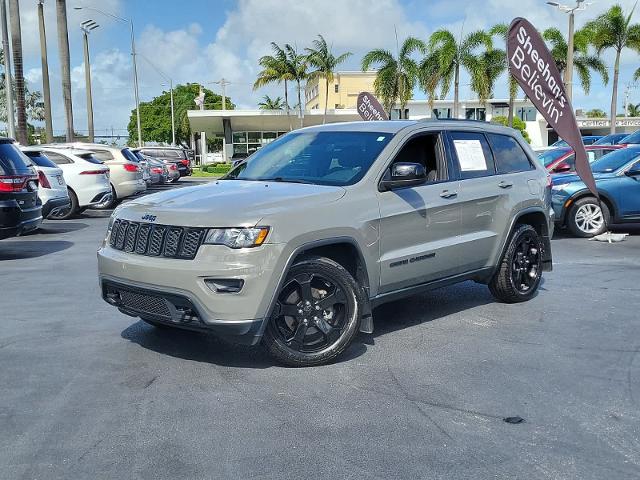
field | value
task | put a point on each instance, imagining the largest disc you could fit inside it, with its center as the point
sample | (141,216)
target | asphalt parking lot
(86,392)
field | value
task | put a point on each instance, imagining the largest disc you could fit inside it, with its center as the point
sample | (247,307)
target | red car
(562,160)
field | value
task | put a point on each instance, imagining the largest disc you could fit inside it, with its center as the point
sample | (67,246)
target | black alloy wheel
(316,314)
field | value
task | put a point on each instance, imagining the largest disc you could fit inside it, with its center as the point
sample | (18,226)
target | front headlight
(237,237)
(562,186)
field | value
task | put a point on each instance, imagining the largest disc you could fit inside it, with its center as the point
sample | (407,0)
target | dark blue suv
(617,177)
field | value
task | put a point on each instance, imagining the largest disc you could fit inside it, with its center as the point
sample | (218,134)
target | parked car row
(59,181)
(616,169)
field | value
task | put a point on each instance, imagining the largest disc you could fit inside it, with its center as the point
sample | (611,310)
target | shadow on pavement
(207,348)
(196,346)
(58,226)
(18,250)
(429,306)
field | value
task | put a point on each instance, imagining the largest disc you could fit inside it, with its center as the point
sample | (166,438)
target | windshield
(323,158)
(550,156)
(611,139)
(40,159)
(615,160)
(633,138)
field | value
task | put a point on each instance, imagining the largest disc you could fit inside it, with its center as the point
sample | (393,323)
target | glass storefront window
(239,137)
(253,147)
(255,137)
(268,137)
(239,148)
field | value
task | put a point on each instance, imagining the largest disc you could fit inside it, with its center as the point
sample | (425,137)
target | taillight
(129,167)
(185,162)
(156,170)
(14,183)
(44,181)
(173,167)
(93,172)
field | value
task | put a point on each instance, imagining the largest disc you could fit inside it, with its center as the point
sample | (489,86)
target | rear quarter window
(509,155)
(90,158)
(58,159)
(103,155)
(40,159)
(12,159)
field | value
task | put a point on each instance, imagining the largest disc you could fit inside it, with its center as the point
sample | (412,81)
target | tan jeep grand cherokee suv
(297,245)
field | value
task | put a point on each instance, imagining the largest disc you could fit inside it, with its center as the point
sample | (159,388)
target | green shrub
(518,124)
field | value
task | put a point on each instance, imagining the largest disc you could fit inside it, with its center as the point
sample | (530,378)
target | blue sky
(202,41)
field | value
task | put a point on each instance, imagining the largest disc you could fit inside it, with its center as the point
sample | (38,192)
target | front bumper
(180,286)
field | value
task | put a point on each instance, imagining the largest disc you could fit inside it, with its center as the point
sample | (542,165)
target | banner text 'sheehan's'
(542,73)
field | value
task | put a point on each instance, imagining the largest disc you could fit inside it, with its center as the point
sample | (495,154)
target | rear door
(18,178)
(630,195)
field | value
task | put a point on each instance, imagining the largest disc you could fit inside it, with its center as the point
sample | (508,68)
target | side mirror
(562,167)
(634,172)
(403,174)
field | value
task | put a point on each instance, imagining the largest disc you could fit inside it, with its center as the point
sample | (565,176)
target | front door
(629,188)
(420,225)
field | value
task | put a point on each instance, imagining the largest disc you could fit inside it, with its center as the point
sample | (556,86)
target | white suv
(87,178)
(127,176)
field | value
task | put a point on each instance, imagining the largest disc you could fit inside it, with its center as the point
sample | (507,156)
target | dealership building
(244,131)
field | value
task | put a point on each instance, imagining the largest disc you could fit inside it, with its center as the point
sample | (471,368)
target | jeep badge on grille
(151,218)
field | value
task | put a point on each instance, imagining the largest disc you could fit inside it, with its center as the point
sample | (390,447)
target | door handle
(448,194)
(505,184)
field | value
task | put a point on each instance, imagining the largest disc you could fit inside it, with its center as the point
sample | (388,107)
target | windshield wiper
(285,180)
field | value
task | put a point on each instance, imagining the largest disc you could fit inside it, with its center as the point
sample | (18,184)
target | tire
(175,180)
(109,204)
(317,314)
(585,219)
(520,270)
(72,212)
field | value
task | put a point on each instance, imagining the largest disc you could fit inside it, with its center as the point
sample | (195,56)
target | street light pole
(11,128)
(568,72)
(133,59)
(86,27)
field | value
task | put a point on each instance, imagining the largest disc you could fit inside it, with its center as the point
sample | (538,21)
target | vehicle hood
(227,203)
(560,178)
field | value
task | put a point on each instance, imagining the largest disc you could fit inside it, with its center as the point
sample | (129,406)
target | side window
(509,155)
(103,155)
(58,159)
(473,155)
(427,150)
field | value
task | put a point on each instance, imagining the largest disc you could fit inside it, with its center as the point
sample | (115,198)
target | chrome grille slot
(143,238)
(172,242)
(130,238)
(191,242)
(156,240)
(120,237)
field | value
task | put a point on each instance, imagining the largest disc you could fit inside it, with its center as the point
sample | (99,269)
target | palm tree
(65,64)
(276,69)
(633,110)
(269,103)
(612,29)
(447,56)
(298,68)
(396,77)
(583,63)
(502,30)
(325,62)
(18,69)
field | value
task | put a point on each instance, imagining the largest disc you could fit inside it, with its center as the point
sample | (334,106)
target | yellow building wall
(349,86)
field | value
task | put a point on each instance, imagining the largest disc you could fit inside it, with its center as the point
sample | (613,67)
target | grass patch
(211,170)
